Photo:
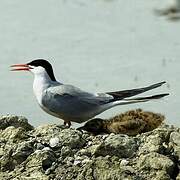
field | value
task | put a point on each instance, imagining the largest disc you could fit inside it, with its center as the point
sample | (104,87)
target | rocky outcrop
(55,152)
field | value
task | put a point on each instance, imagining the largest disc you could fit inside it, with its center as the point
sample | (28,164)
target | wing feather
(67,100)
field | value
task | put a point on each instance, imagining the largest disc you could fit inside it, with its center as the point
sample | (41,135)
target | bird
(71,103)
(132,122)
(172,10)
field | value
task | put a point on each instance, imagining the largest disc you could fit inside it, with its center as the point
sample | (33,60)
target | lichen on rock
(119,145)
(55,152)
(15,121)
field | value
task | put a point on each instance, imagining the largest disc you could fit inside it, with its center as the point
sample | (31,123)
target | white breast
(42,81)
(39,86)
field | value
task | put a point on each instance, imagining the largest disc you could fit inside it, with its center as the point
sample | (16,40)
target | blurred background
(98,45)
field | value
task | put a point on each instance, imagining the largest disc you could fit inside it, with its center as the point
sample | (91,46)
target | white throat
(41,82)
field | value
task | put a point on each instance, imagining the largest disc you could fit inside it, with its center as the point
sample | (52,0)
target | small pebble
(76,162)
(124,162)
(53,142)
(46,149)
(39,146)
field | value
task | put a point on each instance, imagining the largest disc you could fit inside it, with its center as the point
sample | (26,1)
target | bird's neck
(41,83)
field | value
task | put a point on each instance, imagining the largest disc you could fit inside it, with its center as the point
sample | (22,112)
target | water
(99,45)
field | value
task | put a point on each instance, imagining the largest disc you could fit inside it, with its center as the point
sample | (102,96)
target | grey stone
(53,142)
(42,159)
(23,150)
(175,143)
(71,138)
(16,121)
(13,134)
(48,131)
(105,169)
(66,151)
(154,162)
(154,141)
(120,145)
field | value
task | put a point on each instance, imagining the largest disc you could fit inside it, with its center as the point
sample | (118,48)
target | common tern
(70,103)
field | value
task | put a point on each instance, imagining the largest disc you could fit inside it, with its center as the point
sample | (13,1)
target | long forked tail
(139,99)
(118,95)
(157,96)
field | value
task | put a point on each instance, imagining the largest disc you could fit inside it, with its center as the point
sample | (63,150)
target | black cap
(46,65)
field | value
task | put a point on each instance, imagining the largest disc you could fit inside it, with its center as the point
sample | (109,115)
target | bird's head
(94,126)
(38,66)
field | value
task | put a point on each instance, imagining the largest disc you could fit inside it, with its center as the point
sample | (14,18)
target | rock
(37,165)
(153,162)
(154,141)
(105,169)
(71,138)
(40,160)
(48,131)
(119,145)
(175,143)
(22,151)
(55,152)
(66,151)
(6,161)
(15,121)
(124,162)
(14,147)
(13,134)
(178,177)
(53,142)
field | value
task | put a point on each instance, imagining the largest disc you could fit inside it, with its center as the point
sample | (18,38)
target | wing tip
(165,94)
(158,96)
(163,82)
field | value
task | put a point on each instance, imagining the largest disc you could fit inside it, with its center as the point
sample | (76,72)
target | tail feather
(139,99)
(118,95)
(157,96)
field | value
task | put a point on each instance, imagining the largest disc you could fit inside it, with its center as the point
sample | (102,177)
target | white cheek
(38,70)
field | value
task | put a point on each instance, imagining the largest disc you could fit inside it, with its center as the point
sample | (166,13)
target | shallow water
(99,45)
